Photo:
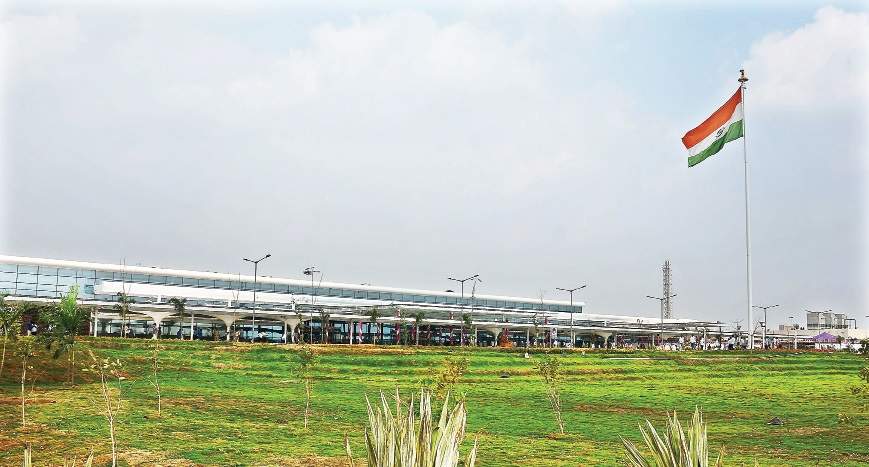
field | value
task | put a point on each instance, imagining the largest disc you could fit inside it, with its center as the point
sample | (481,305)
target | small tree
(417,320)
(467,323)
(402,332)
(862,390)
(155,367)
(65,321)
(300,327)
(10,325)
(108,369)
(549,368)
(324,325)
(26,350)
(535,321)
(180,305)
(306,359)
(374,315)
(123,308)
(449,375)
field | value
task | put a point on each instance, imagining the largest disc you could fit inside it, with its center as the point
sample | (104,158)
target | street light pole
(570,291)
(462,282)
(253,319)
(764,308)
(660,299)
(310,271)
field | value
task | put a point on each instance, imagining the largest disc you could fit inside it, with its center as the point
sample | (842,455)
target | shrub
(397,440)
(676,448)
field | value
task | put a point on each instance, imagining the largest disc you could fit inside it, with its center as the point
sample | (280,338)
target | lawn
(242,404)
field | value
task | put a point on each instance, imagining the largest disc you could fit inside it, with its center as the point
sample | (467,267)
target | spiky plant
(676,448)
(28,455)
(397,439)
(28,458)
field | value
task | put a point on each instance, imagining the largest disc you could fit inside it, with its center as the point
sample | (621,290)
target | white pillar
(495,330)
(290,324)
(227,319)
(352,325)
(157,317)
(528,337)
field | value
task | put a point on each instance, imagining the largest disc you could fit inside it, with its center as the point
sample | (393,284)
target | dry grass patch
(143,457)
(644,411)
(312,461)
(228,366)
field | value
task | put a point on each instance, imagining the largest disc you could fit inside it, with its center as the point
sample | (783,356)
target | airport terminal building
(227,306)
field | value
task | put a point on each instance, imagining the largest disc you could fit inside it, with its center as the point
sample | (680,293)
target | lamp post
(661,299)
(310,271)
(255,266)
(764,308)
(475,277)
(794,327)
(570,291)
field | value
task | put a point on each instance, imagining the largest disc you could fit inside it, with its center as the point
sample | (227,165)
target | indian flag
(722,127)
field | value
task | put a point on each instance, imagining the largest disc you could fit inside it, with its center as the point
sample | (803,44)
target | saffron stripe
(714,122)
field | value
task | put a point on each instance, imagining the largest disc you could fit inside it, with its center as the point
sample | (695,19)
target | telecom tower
(668,309)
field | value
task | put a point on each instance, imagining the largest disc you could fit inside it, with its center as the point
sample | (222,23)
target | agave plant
(28,458)
(676,448)
(399,440)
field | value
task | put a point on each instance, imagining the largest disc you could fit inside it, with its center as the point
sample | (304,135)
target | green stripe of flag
(734,131)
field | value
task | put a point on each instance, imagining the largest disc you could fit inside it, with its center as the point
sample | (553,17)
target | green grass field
(242,404)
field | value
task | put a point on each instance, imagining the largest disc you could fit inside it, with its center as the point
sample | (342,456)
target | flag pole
(742,80)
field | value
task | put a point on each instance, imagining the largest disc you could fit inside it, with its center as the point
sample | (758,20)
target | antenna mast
(668,309)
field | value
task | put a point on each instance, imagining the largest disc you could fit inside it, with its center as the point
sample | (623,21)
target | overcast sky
(537,144)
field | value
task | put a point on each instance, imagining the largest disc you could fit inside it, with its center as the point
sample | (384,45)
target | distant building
(278,308)
(826,320)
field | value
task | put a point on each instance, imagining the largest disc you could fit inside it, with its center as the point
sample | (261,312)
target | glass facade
(52,282)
